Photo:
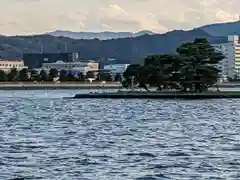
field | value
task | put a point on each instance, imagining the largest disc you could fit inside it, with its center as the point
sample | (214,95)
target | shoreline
(53,86)
(81,85)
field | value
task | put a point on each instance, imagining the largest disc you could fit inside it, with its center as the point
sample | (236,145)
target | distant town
(60,66)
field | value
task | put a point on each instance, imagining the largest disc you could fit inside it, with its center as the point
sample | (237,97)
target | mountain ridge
(216,29)
(132,49)
(105,35)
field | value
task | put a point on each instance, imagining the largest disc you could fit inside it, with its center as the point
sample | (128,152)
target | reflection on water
(46,137)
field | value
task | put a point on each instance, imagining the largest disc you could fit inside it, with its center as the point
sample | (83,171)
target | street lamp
(132,83)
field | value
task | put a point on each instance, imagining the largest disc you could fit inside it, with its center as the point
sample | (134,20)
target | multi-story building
(83,67)
(234,52)
(35,60)
(224,64)
(230,65)
(7,65)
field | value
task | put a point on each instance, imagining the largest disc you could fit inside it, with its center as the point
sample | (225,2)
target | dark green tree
(161,71)
(101,76)
(118,77)
(156,72)
(23,75)
(90,74)
(105,77)
(132,71)
(109,77)
(199,67)
(53,73)
(193,69)
(3,76)
(43,75)
(63,75)
(12,75)
(34,75)
(81,76)
(71,76)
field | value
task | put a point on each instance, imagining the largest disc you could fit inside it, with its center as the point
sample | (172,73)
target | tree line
(63,76)
(194,68)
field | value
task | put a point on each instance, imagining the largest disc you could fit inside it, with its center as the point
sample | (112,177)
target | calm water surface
(44,136)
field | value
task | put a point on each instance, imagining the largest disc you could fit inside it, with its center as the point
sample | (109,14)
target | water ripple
(46,137)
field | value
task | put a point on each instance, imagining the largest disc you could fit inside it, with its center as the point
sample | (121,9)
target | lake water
(44,136)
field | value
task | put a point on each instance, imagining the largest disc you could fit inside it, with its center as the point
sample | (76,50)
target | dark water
(46,137)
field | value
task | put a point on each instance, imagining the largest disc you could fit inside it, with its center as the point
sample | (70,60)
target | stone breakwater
(159,95)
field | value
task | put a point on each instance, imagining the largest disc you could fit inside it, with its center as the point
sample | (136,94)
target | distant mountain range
(222,29)
(134,47)
(98,35)
(218,29)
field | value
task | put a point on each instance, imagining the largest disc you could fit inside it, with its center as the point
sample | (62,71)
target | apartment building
(230,65)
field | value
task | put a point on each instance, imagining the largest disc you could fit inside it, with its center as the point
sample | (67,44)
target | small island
(187,74)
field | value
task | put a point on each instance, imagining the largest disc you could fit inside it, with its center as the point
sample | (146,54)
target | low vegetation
(25,75)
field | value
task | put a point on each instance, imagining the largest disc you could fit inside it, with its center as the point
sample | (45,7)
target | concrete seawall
(36,86)
(76,85)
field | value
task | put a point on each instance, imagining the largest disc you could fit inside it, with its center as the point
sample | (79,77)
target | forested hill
(127,48)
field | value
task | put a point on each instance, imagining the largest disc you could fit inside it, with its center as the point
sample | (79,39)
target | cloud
(37,16)
(114,11)
(225,16)
(117,8)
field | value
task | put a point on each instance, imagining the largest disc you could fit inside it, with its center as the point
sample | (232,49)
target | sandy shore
(38,86)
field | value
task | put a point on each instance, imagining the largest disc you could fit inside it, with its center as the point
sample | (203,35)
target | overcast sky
(38,16)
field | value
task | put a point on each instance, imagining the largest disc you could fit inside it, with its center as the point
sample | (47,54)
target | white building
(6,65)
(230,66)
(116,68)
(82,67)
(224,64)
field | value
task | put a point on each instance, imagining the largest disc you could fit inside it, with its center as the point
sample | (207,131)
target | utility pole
(66,47)
(42,48)
(132,83)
